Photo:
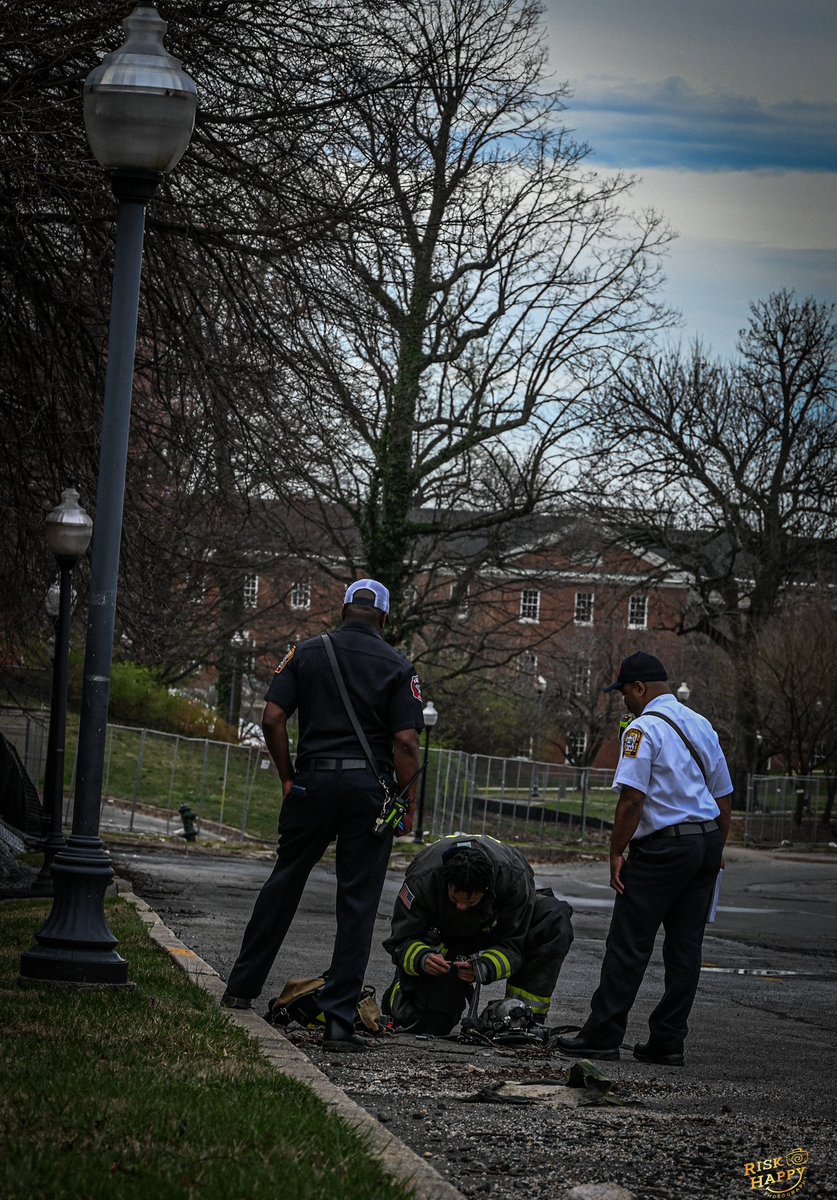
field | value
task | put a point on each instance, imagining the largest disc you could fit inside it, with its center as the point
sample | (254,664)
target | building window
(527,663)
(251,591)
(638,612)
(530,605)
(584,608)
(576,746)
(581,679)
(248,655)
(462,604)
(300,596)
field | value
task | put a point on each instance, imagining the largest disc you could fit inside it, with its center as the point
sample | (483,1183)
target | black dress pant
(669,882)
(341,805)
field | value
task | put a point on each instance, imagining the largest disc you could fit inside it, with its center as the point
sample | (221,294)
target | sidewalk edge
(397,1159)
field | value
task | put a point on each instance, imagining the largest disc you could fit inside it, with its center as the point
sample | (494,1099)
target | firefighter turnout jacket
(425,921)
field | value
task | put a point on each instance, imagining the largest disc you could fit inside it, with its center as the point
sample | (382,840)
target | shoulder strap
(347,704)
(689,745)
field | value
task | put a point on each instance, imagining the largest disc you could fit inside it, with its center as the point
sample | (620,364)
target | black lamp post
(139,112)
(68,531)
(540,688)
(431,716)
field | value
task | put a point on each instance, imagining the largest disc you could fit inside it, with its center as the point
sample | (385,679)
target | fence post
(245,811)
(224,789)
(585,792)
(137,775)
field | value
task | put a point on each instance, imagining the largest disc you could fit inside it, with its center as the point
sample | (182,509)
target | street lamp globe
(139,104)
(430,714)
(683,693)
(68,527)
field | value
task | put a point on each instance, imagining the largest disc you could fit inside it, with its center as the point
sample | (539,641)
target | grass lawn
(153,1093)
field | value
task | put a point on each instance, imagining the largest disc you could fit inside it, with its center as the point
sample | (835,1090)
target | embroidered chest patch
(406,897)
(631,742)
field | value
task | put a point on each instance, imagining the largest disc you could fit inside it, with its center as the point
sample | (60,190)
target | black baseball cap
(639,668)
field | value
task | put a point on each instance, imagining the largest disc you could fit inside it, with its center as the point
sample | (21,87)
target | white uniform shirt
(656,761)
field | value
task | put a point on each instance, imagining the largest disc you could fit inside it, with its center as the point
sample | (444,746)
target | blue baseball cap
(380,593)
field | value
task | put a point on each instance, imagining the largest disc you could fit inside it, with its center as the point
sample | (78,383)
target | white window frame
(299,598)
(581,740)
(589,604)
(463,605)
(527,663)
(633,621)
(251,590)
(581,676)
(530,609)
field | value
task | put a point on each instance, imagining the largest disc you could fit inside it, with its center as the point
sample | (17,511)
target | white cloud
(670,123)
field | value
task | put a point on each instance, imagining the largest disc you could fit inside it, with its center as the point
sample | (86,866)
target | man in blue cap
(334,791)
(673,815)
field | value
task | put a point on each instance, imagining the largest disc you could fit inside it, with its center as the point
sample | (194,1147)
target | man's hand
(465,970)
(617,862)
(436,964)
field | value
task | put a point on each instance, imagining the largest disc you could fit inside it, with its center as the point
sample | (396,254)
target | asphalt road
(759,1078)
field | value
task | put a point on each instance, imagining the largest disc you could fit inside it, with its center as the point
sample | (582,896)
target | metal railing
(789,808)
(235,791)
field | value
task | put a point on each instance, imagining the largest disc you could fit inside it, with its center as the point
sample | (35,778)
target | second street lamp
(68,532)
(431,716)
(139,112)
(540,688)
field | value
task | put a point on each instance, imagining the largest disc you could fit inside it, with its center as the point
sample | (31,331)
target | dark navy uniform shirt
(382,685)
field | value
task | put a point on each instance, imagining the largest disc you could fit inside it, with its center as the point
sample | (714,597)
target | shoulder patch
(415,688)
(631,742)
(285,661)
(406,897)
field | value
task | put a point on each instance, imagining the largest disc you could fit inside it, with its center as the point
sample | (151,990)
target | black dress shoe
(342,1039)
(228,1001)
(647,1052)
(580,1046)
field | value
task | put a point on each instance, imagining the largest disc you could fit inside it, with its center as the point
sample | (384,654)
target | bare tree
(220,236)
(438,350)
(730,471)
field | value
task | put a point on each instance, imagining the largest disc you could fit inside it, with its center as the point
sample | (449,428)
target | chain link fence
(235,792)
(790,808)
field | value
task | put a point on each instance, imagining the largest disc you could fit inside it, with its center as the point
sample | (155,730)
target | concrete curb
(397,1159)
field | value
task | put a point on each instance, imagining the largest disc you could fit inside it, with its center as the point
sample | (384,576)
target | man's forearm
(275,730)
(406,762)
(627,818)
(725,815)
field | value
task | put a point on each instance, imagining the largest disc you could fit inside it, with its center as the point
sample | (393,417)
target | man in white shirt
(673,814)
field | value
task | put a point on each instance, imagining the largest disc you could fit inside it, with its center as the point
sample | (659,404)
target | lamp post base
(42,884)
(75,945)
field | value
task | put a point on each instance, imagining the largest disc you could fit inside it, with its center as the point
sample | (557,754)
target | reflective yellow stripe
(537,1004)
(413,951)
(498,960)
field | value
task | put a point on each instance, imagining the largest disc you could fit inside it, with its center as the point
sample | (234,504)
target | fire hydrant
(188,817)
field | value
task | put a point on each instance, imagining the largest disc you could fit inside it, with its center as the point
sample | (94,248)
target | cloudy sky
(727,109)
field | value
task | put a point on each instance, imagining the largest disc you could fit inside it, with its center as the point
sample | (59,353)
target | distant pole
(431,716)
(540,688)
(68,532)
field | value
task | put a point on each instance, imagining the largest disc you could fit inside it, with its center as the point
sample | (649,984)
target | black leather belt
(685,829)
(337,764)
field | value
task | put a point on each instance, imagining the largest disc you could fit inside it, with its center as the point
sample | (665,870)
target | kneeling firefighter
(469,911)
